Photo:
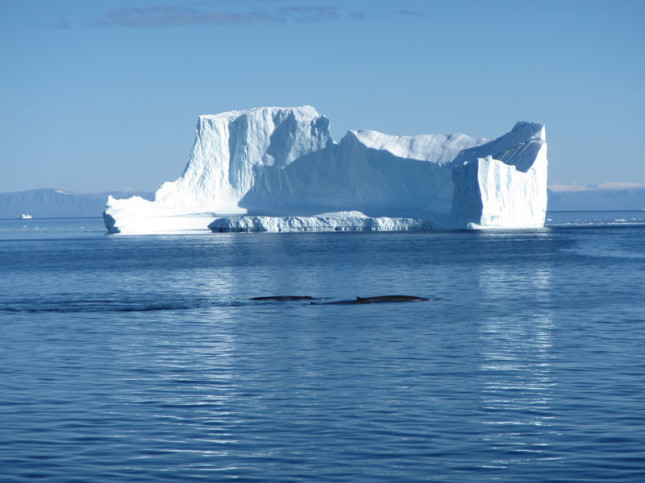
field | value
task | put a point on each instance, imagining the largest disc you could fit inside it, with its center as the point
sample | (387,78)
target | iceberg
(279,169)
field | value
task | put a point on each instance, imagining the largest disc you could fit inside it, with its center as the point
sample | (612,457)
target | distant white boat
(26,216)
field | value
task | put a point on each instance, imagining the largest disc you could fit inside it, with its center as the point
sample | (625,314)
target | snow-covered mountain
(283,162)
(51,203)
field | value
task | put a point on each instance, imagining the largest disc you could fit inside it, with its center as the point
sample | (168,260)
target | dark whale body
(283,298)
(381,299)
(389,298)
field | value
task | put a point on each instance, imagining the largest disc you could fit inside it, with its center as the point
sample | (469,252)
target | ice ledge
(326,222)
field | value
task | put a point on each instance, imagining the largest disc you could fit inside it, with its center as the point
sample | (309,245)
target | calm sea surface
(143,359)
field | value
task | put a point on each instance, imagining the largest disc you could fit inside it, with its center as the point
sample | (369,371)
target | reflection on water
(516,380)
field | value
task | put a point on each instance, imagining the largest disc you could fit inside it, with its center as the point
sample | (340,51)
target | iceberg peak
(230,146)
(529,130)
(302,112)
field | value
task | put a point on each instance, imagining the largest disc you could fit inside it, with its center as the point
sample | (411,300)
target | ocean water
(143,359)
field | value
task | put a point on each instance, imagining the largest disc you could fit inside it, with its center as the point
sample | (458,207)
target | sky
(104,95)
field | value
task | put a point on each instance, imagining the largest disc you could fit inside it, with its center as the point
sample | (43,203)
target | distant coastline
(603,197)
(56,203)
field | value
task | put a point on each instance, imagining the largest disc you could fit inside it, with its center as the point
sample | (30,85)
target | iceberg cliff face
(283,162)
(229,147)
(503,183)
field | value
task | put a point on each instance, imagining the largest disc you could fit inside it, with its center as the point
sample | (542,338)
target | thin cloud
(412,13)
(63,24)
(174,16)
(308,14)
(359,15)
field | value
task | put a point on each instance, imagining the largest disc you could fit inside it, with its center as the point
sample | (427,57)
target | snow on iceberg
(282,162)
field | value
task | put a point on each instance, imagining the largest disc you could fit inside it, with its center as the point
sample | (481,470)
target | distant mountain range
(51,203)
(609,196)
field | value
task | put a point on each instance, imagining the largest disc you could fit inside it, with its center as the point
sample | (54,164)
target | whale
(381,299)
(283,298)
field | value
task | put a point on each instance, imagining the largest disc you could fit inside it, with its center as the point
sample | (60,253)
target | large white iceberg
(283,162)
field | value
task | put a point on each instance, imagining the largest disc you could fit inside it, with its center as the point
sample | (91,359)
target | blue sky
(104,95)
